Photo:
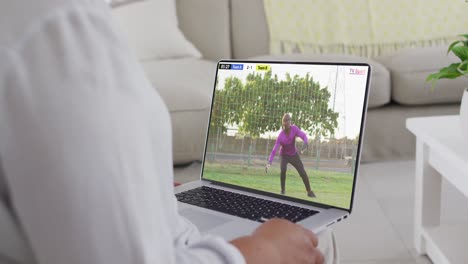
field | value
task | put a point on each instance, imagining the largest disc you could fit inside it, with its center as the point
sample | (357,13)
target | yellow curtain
(366,28)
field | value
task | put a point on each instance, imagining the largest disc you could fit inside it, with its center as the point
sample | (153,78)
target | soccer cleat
(311,194)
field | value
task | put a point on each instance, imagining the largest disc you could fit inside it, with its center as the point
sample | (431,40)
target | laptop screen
(287,129)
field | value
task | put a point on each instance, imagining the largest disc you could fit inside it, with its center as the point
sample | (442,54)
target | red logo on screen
(357,71)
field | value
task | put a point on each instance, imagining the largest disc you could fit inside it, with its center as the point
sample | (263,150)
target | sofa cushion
(409,69)
(249,29)
(379,93)
(152,31)
(206,23)
(186,86)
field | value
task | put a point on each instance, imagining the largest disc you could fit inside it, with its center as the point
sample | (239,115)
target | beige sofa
(223,29)
(237,29)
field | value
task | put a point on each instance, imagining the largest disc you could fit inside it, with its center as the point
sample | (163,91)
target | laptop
(305,120)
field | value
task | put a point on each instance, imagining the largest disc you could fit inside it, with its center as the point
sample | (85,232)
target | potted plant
(456,70)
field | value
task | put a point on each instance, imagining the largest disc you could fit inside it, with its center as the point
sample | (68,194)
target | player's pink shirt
(287,142)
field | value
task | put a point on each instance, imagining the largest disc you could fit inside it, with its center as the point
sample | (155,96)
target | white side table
(440,152)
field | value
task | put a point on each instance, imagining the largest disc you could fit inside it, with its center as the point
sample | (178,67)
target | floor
(379,230)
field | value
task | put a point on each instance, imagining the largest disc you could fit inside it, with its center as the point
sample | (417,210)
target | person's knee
(302,173)
(283,172)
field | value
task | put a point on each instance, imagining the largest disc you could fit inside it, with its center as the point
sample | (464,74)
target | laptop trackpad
(204,221)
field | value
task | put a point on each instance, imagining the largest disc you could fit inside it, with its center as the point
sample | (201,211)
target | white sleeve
(202,247)
(86,150)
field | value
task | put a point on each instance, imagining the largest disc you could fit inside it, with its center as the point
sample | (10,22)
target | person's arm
(303,136)
(274,150)
(194,247)
(85,146)
(272,154)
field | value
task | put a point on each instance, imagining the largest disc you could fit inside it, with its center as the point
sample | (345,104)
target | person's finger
(318,256)
(311,236)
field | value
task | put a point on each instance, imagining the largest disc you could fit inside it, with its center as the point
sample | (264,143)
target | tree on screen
(257,106)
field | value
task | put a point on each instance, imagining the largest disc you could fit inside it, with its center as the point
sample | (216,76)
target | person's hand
(280,241)
(304,148)
(267,167)
(292,242)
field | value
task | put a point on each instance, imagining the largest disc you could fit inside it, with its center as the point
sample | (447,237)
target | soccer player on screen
(288,153)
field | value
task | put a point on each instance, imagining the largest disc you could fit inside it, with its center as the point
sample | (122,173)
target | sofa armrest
(206,23)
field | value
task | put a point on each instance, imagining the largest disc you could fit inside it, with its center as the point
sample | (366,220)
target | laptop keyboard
(244,206)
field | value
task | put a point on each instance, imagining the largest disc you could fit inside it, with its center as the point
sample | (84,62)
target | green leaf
(461,52)
(449,72)
(453,45)
(464,35)
(432,77)
(465,41)
(460,67)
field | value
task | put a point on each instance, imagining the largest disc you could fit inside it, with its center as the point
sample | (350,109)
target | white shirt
(85,143)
